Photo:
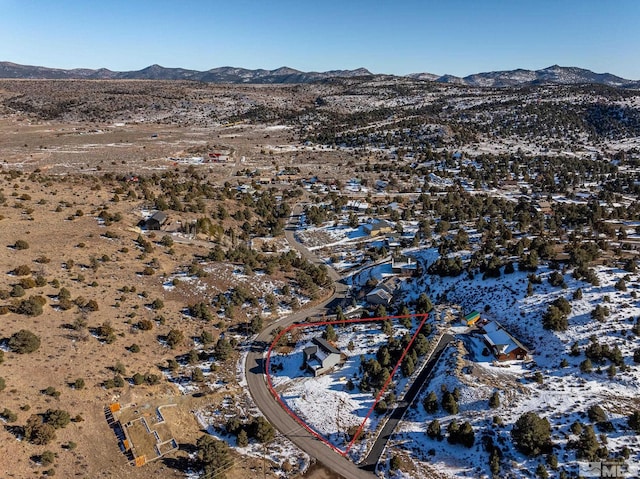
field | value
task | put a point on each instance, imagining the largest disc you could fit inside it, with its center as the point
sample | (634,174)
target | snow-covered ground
(332,404)
(561,394)
(278,452)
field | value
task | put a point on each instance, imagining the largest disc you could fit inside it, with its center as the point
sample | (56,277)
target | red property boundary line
(297,418)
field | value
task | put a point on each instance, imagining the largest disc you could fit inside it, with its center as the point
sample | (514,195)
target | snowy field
(332,404)
(562,394)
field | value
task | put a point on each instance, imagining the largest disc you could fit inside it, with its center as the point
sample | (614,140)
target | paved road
(289,234)
(288,426)
(256,379)
(369,463)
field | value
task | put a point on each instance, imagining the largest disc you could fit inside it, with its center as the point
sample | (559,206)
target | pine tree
(434,430)
(431,403)
(588,444)
(330,333)
(531,434)
(586,366)
(494,400)
(634,421)
(243,439)
(449,403)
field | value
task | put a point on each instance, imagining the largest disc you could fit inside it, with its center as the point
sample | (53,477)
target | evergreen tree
(531,434)
(243,439)
(494,400)
(330,333)
(424,304)
(433,430)
(634,421)
(214,456)
(588,445)
(431,403)
(554,319)
(449,403)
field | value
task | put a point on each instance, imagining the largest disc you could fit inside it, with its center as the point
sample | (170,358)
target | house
(245,189)
(382,294)
(405,266)
(504,346)
(379,295)
(219,156)
(378,227)
(381,185)
(471,318)
(321,356)
(392,243)
(545,207)
(357,205)
(155,221)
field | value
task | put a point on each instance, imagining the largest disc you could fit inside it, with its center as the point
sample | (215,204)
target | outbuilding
(471,318)
(155,221)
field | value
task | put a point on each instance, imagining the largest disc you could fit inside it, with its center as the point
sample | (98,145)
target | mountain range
(552,75)
(157,72)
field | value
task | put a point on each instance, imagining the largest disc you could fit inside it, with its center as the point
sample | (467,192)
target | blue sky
(459,37)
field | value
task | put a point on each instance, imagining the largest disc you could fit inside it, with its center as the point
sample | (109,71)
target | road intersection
(281,420)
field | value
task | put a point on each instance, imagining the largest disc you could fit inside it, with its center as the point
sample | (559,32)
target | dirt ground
(55,211)
(318,471)
(142,149)
(67,244)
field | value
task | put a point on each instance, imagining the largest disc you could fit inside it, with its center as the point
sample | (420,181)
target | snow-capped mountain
(554,74)
(157,72)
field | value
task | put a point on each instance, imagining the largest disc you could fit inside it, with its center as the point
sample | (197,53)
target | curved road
(281,420)
(256,380)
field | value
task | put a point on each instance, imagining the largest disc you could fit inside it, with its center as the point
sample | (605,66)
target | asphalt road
(281,420)
(369,463)
(256,379)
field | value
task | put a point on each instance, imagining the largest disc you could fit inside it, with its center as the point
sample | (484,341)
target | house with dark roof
(404,266)
(502,344)
(155,221)
(321,356)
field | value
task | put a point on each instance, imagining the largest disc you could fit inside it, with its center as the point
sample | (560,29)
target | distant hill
(552,75)
(157,72)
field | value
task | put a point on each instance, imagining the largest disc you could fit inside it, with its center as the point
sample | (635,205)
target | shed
(471,318)
(155,221)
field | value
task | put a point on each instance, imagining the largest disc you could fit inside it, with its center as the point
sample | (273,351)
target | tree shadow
(16,431)
(181,463)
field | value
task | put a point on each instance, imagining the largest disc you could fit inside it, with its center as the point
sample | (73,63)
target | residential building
(378,227)
(321,356)
(155,221)
(383,293)
(502,344)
